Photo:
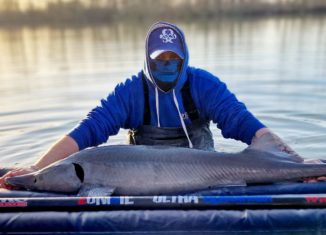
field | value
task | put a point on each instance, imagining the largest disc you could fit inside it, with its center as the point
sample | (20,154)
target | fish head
(63,178)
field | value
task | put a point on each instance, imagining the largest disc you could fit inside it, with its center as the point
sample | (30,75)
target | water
(51,77)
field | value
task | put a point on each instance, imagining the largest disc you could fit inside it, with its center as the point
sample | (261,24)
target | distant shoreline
(39,21)
(75,13)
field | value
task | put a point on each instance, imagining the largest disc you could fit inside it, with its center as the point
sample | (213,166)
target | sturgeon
(157,170)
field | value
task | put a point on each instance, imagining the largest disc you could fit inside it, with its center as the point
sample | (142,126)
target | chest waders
(198,131)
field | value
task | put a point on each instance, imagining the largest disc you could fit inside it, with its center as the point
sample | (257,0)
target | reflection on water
(51,77)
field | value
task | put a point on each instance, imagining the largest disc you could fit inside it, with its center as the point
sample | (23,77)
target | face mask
(166,70)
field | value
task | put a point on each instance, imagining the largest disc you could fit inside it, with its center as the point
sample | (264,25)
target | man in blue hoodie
(167,103)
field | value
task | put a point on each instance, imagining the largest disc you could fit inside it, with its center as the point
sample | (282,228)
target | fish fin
(237,183)
(231,183)
(95,191)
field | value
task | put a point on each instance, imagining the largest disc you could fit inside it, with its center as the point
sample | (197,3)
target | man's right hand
(15,172)
(62,149)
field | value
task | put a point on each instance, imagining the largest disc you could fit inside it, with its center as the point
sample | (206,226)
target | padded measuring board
(280,208)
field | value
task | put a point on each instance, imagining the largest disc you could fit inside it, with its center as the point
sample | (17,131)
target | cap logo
(167,36)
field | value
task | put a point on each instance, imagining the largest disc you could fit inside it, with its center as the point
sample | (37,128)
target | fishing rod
(162,202)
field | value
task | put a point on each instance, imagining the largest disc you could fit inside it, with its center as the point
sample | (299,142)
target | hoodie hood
(163,32)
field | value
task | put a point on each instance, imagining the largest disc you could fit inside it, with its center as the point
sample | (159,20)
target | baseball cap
(164,39)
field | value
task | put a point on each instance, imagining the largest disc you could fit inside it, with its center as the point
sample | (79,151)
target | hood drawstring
(157,107)
(180,116)
(181,119)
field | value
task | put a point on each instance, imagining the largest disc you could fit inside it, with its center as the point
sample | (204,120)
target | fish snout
(23,181)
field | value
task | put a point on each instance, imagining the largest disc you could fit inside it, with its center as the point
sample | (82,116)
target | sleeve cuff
(77,134)
(252,127)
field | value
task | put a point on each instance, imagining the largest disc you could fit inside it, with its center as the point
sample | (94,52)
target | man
(167,103)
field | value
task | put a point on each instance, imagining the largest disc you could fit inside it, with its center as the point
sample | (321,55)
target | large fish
(153,170)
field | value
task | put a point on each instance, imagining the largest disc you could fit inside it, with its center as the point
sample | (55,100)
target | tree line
(88,11)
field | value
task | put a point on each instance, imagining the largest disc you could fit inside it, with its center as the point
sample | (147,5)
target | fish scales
(154,170)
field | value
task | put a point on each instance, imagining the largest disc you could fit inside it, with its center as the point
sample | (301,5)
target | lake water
(51,77)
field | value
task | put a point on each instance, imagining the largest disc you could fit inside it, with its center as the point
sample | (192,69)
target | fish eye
(35,180)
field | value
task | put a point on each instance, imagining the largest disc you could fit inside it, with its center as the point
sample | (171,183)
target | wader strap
(188,102)
(147,114)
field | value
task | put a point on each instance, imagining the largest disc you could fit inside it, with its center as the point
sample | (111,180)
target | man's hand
(15,172)
(62,149)
(266,140)
(314,179)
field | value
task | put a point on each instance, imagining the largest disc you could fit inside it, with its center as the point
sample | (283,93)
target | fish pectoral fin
(232,183)
(237,183)
(95,191)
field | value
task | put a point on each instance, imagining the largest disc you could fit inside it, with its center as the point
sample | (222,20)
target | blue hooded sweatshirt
(124,107)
